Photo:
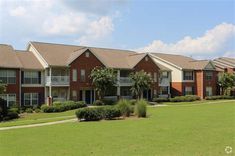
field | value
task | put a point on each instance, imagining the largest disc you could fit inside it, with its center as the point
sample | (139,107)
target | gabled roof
(183,62)
(8,57)
(28,60)
(224,62)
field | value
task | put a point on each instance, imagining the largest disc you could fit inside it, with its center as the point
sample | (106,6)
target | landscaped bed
(204,129)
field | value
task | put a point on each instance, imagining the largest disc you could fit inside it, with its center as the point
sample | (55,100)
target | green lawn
(33,118)
(203,129)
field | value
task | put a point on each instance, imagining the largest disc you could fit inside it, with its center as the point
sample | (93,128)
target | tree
(103,79)
(226,81)
(141,81)
(2,87)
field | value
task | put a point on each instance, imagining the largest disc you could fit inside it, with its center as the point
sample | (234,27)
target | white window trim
(7,98)
(31,99)
(83,74)
(7,76)
(30,75)
(74,75)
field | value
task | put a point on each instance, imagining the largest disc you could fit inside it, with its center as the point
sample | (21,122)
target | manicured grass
(33,118)
(172,130)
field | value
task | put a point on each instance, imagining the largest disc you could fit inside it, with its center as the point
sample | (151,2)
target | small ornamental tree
(226,81)
(103,79)
(2,87)
(141,81)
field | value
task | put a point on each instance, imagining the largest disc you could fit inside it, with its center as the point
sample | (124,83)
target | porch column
(118,84)
(50,82)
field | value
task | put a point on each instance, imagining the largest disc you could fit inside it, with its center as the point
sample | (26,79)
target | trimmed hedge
(98,103)
(161,99)
(108,102)
(187,98)
(218,97)
(29,110)
(62,106)
(98,113)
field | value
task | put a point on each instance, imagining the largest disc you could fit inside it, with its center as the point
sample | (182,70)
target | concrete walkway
(38,125)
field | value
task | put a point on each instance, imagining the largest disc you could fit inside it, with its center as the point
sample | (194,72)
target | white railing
(125,81)
(164,82)
(57,80)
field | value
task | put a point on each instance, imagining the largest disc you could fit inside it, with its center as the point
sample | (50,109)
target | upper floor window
(8,76)
(209,75)
(82,75)
(74,73)
(31,77)
(188,75)
(164,74)
(87,54)
(155,77)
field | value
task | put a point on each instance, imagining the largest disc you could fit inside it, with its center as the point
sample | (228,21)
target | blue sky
(198,28)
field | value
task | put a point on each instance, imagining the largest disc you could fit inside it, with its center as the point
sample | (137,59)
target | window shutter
(22,77)
(39,77)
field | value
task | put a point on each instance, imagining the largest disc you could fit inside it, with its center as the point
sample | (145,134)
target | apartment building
(47,72)
(189,76)
(225,64)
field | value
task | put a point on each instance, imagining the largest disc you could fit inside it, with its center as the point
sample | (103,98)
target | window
(208,91)
(188,75)
(164,90)
(74,75)
(74,93)
(188,90)
(8,76)
(87,54)
(125,91)
(164,74)
(30,99)
(31,77)
(82,76)
(155,77)
(209,75)
(10,98)
(146,58)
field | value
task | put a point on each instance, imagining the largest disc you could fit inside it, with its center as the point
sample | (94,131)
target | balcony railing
(57,80)
(125,81)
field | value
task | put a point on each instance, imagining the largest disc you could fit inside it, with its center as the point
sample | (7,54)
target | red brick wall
(14,88)
(83,62)
(149,67)
(176,89)
(211,83)
(39,90)
(199,83)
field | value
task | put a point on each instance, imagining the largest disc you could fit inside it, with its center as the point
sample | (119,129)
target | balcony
(57,80)
(125,81)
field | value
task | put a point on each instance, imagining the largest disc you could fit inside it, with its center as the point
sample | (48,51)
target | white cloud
(213,41)
(229,54)
(18,11)
(97,30)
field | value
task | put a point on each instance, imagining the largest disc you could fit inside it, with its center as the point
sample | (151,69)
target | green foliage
(111,112)
(141,108)
(219,97)
(226,81)
(141,81)
(29,110)
(125,107)
(133,102)
(103,79)
(2,88)
(14,109)
(37,110)
(187,98)
(108,102)
(90,114)
(62,106)
(98,103)
(161,99)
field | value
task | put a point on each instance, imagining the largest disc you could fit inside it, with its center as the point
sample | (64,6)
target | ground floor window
(10,98)
(125,91)
(208,91)
(189,90)
(30,99)
(164,90)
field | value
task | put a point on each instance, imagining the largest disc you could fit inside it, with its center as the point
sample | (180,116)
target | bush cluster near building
(62,106)
(187,98)
(219,97)
(123,108)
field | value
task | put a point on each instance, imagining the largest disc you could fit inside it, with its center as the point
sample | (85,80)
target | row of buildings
(61,72)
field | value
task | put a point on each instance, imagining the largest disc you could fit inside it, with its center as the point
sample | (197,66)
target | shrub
(47,109)
(108,102)
(29,110)
(11,115)
(161,99)
(124,107)
(37,110)
(141,108)
(90,114)
(187,98)
(133,101)
(218,97)
(111,112)
(98,103)
(14,109)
